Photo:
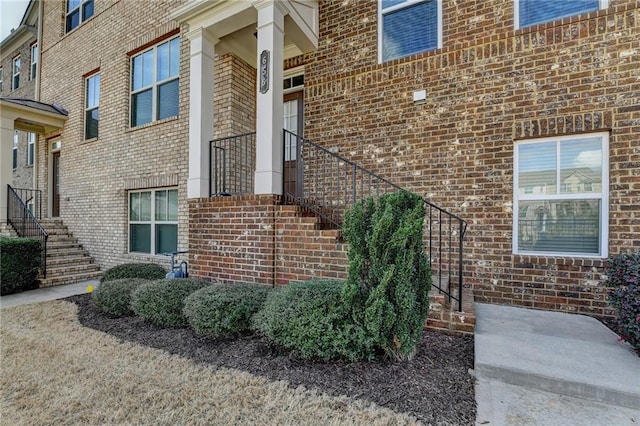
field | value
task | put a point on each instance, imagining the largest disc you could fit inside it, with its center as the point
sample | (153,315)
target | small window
(1,69)
(34,61)
(92,103)
(154,83)
(15,83)
(78,11)
(567,212)
(15,149)
(31,147)
(532,12)
(153,221)
(407,27)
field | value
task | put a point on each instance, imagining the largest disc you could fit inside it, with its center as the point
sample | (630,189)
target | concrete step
(63,270)
(70,259)
(567,354)
(58,246)
(70,279)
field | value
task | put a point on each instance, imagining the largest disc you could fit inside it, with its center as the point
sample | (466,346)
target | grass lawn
(55,371)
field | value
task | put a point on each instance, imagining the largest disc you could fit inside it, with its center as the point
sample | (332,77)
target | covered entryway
(29,116)
(263,33)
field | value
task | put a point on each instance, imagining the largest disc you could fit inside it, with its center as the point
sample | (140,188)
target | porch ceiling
(234,23)
(32,116)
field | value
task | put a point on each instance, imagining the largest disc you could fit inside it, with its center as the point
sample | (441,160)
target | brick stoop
(444,317)
(67,261)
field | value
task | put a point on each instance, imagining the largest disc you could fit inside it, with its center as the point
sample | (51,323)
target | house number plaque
(264,71)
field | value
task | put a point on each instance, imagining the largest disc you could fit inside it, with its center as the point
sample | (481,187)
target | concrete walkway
(47,293)
(549,368)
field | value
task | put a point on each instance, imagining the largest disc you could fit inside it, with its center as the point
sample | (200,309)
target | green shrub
(162,302)
(114,297)
(389,278)
(309,319)
(147,271)
(623,275)
(224,310)
(19,264)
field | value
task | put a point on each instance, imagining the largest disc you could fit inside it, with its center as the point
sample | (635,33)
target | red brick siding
(487,87)
(255,239)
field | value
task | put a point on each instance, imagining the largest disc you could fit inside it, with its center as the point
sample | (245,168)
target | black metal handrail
(328,184)
(25,224)
(232,165)
(33,200)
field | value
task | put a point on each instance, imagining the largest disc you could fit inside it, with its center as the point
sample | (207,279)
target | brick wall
(97,174)
(23,173)
(487,87)
(253,238)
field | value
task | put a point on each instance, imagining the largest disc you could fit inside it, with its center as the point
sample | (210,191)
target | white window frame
(80,9)
(153,222)
(516,14)
(15,72)
(31,146)
(88,107)
(407,3)
(14,153)
(33,70)
(603,196)
(154,85)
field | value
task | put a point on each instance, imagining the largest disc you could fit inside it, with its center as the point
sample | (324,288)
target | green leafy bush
(114,297)
(19,264)
(623,275)
(310,319)
(224,310)
(147,271)
(162,302)
(389,278)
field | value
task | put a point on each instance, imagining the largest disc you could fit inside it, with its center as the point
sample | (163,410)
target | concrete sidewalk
(47,293)
(546,368)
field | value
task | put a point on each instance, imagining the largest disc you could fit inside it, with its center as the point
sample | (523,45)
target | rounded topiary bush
(310,319)
(114,297)
(224,310)
(147,271)
(162,302)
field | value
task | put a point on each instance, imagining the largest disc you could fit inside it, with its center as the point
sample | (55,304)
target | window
(78,11)
(34,61)
(31,149)
(1,69)
(15,149)
(92,112)
(567,212)
(532,12)
(154,83)
(15,83)
(153,221)
(407,27)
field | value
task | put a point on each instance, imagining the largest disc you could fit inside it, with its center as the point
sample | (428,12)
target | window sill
(153,123)
(88,141)
(558,259)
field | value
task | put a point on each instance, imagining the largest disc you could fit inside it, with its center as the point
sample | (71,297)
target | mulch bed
(435,386)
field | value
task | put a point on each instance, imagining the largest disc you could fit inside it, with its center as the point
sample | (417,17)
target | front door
(55,183)
(293,114)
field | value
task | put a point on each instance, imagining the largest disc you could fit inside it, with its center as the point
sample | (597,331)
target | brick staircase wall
(253,238)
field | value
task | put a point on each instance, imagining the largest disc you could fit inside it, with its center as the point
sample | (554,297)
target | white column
(6,162)
(269,145)
(201,75)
